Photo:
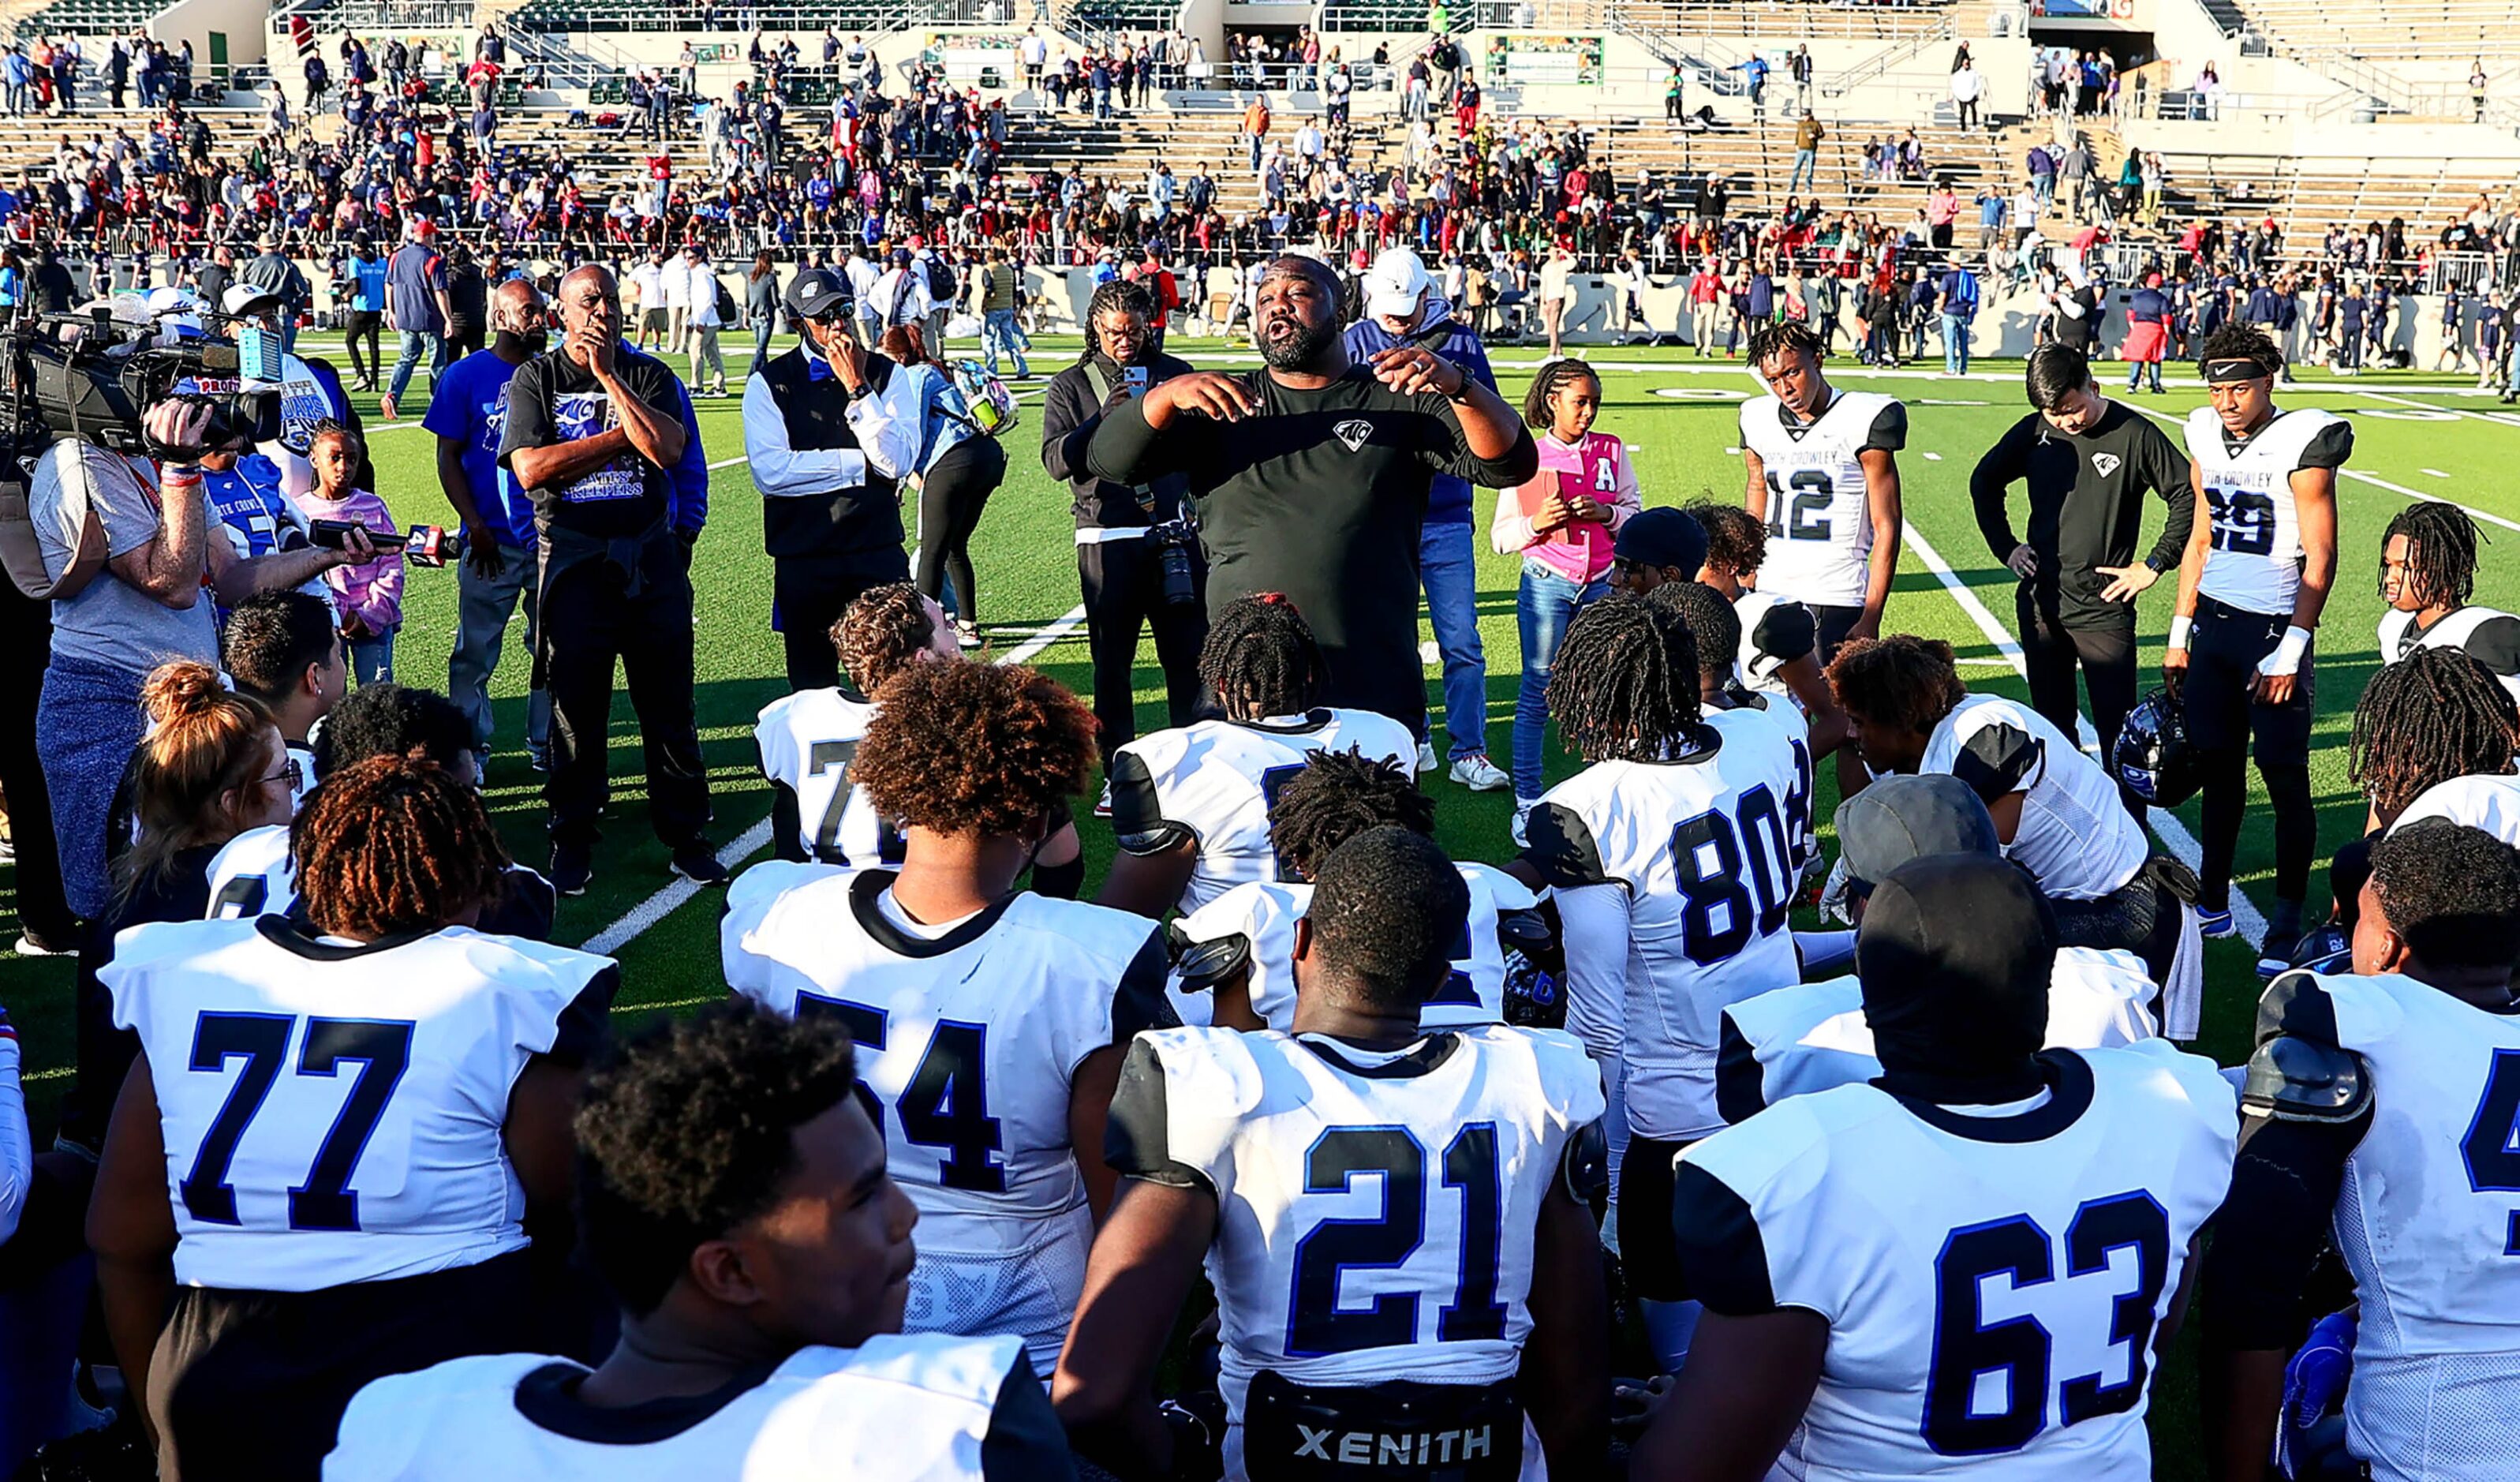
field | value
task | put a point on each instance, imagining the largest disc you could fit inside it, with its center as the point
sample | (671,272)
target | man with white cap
(1403,308)
(415,308)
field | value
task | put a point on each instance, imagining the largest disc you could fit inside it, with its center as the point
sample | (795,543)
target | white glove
(1832,896)
(2285,661)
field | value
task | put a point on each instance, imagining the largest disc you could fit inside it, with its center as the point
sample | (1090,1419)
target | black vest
(847,523)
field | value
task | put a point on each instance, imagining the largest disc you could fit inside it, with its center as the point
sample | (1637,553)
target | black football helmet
(2153,759)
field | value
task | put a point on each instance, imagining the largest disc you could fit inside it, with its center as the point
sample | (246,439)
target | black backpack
(942,284)
(727,312)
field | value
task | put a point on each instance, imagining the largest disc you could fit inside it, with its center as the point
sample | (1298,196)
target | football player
(319,1166)
(2251,587)
(1673,859)
(2382,1107)
(732,1194)
(1759,719)
(1190,806)
(2433,738)
(1965,1267)
(284,650)
(1813,1036)
(2055,810)
(1395,1220)
(1249,969)
(1779,651)
(254,874)
(2427,573)
(990,1019)
(1823,470)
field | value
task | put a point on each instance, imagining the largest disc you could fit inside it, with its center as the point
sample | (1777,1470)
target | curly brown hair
(975,749)
(1736,539)
(392,844)
(1902,680)
(882,634)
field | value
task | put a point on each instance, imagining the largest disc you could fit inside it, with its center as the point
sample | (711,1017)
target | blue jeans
(413,345)
(1543,609)
(1955,344)
(372,657)
(998,328)
(1447,563)
(1806,169)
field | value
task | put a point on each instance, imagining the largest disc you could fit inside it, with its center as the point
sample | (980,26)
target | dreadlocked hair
(1736,540)
(2431,716)
(1118,296)
(883,633)
(1556,374)
(966,748)
(393,844)
(1713,626)
(2234,341)
(1338,795)
(1786,338)
(1261,660)
(2441,552)
(1624,687)
(1902,680)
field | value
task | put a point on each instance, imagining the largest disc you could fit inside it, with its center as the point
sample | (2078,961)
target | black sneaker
(571,866)
(698,863)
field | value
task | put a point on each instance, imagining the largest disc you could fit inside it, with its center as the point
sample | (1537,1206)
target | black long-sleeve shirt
(1070,412)
(1321,495)
(2086,499)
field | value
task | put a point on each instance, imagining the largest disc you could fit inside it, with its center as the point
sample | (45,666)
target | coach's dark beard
(1298,352)
(530,344)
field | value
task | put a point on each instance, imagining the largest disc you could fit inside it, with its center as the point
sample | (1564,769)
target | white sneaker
(1476,773)
(1522,807)
(1427,757)
(1102,806)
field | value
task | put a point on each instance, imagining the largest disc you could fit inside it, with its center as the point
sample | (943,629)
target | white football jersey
(807,742)
(1762,720)
(1673,881)
(253,875)
(1215,780)
(2427,1220)
(2076,838)
(2490,637)
(333,1112)
(1819,513)
(897,1409)
(1775,632)
(1991,1277)
(1264,914)
(2489,803)
(1376,1210)
(968,1042)
(1813,1036)
(2255,560)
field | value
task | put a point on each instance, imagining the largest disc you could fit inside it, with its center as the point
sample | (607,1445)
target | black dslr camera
(1174,540)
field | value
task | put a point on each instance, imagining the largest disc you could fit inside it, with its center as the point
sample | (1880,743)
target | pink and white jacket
(1597,467)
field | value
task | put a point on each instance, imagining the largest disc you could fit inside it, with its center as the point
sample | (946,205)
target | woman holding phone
(1562,523)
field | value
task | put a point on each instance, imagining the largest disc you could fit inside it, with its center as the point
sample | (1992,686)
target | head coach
(1312,476)
(1122,528)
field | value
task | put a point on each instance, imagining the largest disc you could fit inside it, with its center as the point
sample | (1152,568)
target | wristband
(2285,661)
(2178,627)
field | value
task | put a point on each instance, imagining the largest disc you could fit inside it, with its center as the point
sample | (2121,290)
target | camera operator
(143,609)
(832,524)
(1123,571)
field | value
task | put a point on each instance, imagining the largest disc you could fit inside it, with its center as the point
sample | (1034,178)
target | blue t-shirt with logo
(472,407)
(371,277)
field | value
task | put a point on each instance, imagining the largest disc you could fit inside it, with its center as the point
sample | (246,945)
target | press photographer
(1136,553)
(122,525)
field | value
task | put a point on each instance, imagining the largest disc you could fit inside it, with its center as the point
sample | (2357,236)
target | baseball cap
(1662,537)
(815,292)
(901,257)
(1901,818)
(1955,957)
(242,299)
(424,228)
(1396,283)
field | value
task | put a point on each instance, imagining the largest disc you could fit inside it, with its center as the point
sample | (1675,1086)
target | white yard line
(2244,912)
(655,908)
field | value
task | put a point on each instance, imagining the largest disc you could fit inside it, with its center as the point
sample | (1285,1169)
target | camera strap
(1145,494)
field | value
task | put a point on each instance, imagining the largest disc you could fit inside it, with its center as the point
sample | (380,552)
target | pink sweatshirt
(1598,469)
(371,591)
